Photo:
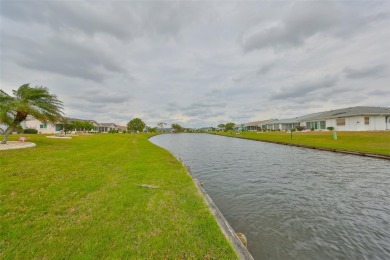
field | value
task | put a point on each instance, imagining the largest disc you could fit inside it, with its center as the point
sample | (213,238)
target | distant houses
(360,118)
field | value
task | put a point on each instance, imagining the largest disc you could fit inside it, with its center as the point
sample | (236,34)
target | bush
(312,129)
(113,131)
(330,128)
(301,128)
(30,131)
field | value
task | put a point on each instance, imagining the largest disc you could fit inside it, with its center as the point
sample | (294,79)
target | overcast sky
(198,63)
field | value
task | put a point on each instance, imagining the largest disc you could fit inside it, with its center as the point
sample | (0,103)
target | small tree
(161,125)
(229,126)
(136,125)
(151,129)
(178,128)
(35,101)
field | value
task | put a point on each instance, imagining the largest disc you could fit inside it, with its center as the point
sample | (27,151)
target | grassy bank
(81,198)
(369,142)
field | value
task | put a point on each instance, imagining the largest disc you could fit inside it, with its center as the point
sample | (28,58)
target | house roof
(121,127)
(256,123)
(353,111)
(344,112)
(107,124)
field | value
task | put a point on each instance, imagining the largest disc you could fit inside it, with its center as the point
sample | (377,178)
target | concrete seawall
(227,230)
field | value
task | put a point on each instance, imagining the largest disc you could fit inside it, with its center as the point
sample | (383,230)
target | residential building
(121,128)
(360,118)
(107,127)
(50,128)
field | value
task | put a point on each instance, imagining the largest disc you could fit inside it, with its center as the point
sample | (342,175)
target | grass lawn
(370,142)
(81,198)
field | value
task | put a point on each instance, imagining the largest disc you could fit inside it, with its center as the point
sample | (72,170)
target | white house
(106,127)
(352,119)
(359,118)
(50,128)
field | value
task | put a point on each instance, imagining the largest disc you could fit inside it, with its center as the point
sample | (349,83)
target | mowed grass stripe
(80,198)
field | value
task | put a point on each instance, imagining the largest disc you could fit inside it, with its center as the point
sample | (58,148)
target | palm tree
(34,101)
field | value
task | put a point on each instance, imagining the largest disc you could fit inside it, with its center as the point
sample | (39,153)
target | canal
(290,202)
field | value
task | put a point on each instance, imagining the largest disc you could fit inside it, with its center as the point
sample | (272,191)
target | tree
(34,101)
(136,125)
(229,126)
(151,129)
(161,125)
(222,126)
(67,126)
(178,128)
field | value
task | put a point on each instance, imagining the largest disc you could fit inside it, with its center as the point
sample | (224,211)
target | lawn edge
(352,152)
(231,236)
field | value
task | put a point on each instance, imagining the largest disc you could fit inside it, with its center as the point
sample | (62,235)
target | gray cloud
(307,19)
(306,88)
(60,55)
(126,22)
(368,72)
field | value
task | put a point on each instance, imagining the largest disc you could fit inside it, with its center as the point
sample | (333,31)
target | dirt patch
(16,145)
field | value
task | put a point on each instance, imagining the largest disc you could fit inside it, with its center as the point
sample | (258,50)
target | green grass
(369,142)
(80,198)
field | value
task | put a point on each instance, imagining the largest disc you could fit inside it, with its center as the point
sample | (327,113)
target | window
(366,120)
(340,121)
(59,127)
(43,126)
(322,125)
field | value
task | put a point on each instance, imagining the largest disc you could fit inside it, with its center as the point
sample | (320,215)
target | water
(290,202)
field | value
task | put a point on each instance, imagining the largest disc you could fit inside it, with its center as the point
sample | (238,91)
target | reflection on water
(293,202)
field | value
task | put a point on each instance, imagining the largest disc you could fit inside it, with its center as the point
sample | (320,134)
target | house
(360,118)
(251,126)
(107,127)
(121,128)
(50,128)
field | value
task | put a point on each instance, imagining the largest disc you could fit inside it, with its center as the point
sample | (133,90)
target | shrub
(113,131)
(301,128)
(312,129)
(30,131)
(330,128)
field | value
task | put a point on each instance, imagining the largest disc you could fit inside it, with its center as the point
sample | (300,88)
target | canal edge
(241,251)
(352,152)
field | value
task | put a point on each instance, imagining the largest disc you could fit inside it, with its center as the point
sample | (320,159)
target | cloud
(62,56)
(368,72)
(306,88)
(128,20)
(305,20)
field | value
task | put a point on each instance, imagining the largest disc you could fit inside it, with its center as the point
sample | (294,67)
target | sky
(198,63)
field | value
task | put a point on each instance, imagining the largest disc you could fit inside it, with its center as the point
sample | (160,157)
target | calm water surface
(293,203)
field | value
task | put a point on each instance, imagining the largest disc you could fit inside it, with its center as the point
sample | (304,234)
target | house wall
(357,123)
(35,124)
